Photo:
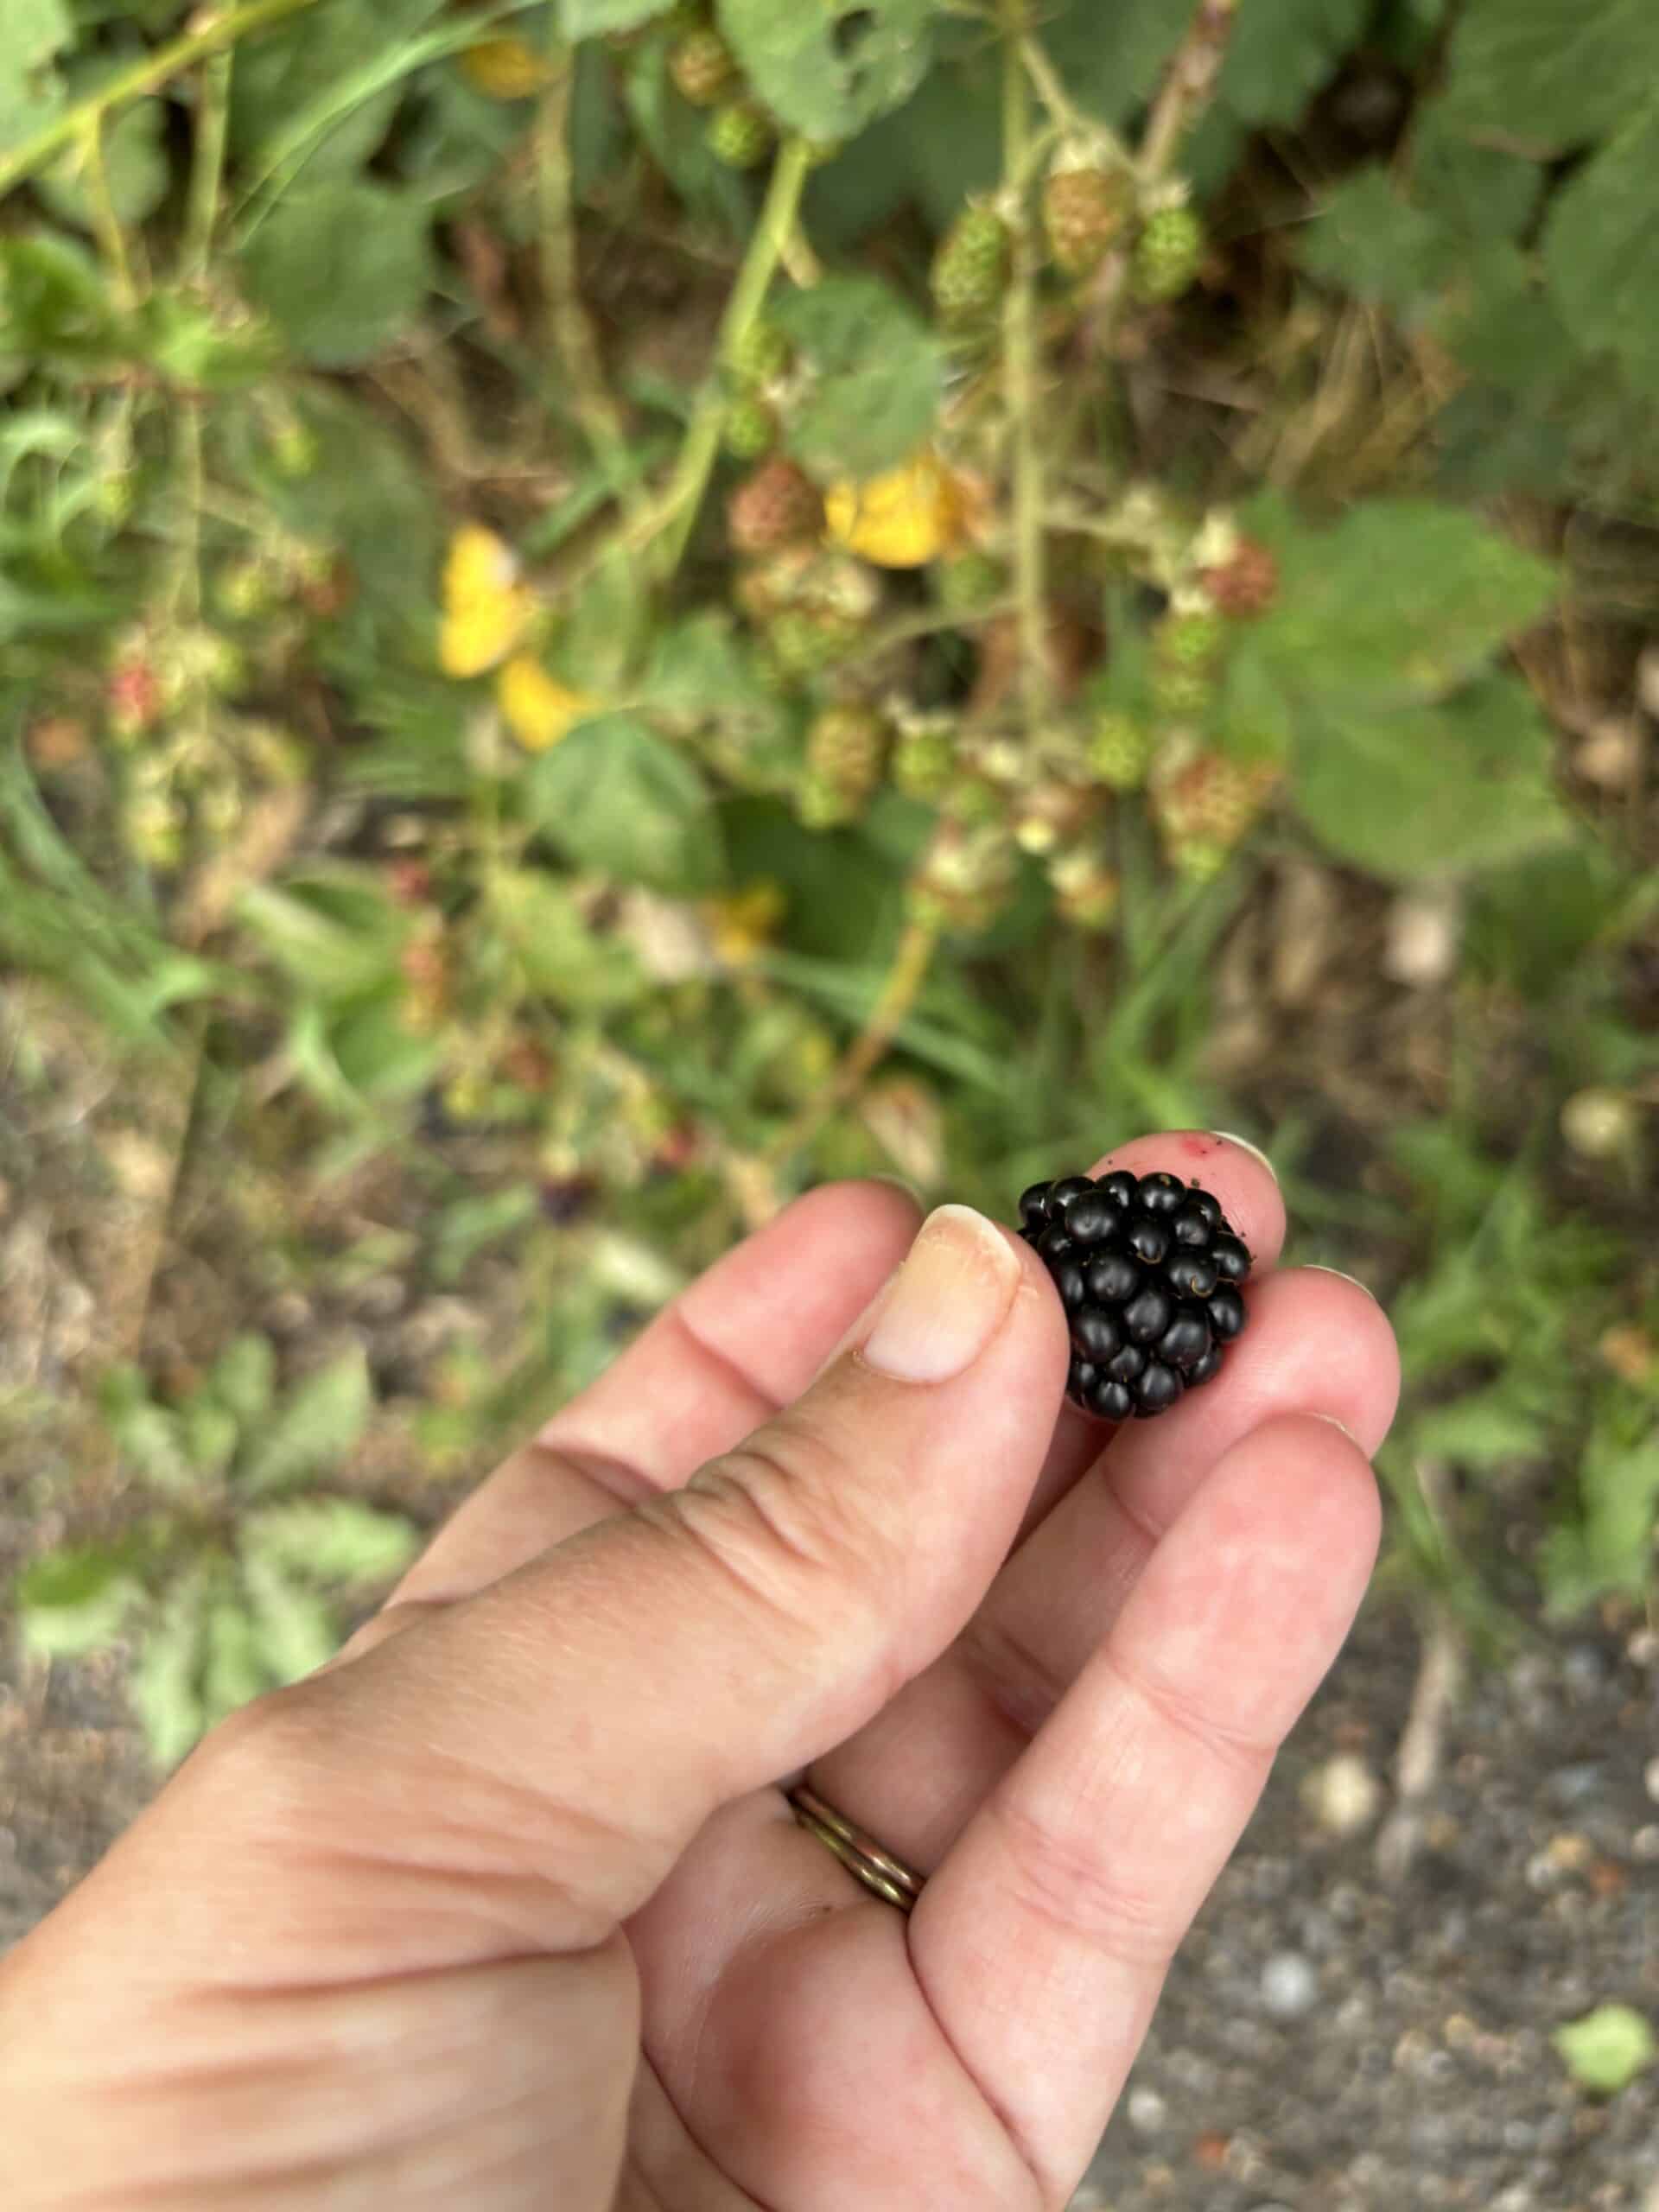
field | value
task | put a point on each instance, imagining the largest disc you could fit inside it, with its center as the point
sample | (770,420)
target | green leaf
(30,93)
(1609,1547)
(52,301)
(1554,72)
(75,1600)
(1486,192)
(615,796)
(134,163)
(210,1434)
(165,1681)
(1428,789)
(878,375)
(1403,600)
(1280,52)
(148,1438)
(559,952)
(243,1377)
(1601,251)
(296,1629)
(1605,2052)
(1110,59)
(284,74)
(37,31)
(827,69)
(342,269)
(1367,240)
(318,1425)
(330,1540)
(591,18)
(1487,1429)
(338,933)
(234,1672)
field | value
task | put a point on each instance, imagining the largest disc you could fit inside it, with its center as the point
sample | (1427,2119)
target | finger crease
(1236,1748)
(722,1362)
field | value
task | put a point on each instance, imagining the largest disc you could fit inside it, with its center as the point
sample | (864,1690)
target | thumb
(602,1701)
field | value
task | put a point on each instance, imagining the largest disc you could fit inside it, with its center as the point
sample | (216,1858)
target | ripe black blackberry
(1149,1270)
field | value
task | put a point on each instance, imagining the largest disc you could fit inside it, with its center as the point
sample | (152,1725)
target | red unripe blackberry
(1149,1269)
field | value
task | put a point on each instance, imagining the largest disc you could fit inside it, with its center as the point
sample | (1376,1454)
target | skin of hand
(505,1908)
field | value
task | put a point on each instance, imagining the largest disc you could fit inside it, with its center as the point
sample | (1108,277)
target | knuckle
(785,1517)
(267,1759)
(1068,1884)
(1235,1751)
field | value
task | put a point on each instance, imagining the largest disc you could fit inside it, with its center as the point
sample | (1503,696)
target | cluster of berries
(705,72)
(1092,205)
(1150,1273)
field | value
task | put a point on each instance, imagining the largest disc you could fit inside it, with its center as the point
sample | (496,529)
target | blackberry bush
(1150,1273)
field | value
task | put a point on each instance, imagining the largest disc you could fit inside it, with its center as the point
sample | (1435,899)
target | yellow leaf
(746,922)
(902,520)
(486,607)
(504,68)
(537,707)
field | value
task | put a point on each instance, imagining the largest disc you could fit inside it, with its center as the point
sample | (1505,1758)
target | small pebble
(1147,2110)
(1290,1985)
(1571,1785)
(1651,1780)
(1342,1794)
(1585,1669)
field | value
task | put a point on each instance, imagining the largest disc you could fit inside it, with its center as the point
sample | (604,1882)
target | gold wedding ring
(859,1853)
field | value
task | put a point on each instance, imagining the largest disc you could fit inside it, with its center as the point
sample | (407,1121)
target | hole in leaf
(851,30)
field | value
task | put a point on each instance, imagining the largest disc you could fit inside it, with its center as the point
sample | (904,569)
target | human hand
(505,1908)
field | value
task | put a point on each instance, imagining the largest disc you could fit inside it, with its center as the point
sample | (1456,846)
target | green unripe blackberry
(247,589)
(751,430)
(1192,640)
(702,66)
(805,641)
(1181,693)
(1200,859)
(1085,212)
(1169,254)
(924,760)
(969,583)
(822,805)
(740,135)
(970,270)
(1119,752)
(1149,1272)
(847,748)
(760,354)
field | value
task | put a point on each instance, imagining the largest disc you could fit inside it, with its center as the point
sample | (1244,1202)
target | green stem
(146,76)
(1020,361)
(772,233)
(207,165)
(570,327)
(190,480)
(106,225)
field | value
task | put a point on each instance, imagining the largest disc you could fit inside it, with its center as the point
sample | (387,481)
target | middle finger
(1318,1343)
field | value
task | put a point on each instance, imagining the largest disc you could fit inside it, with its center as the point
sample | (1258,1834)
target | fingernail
(1244,1145)
(1313,1268)
(1335,1423)
(949,1300)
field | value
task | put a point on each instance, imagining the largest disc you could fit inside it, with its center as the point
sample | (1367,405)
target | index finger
(745,1338)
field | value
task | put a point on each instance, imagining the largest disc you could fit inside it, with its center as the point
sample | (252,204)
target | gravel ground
(1329,2041)
(1332,2043)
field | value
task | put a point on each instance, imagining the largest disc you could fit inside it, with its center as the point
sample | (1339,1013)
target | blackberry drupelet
(1149,1271)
